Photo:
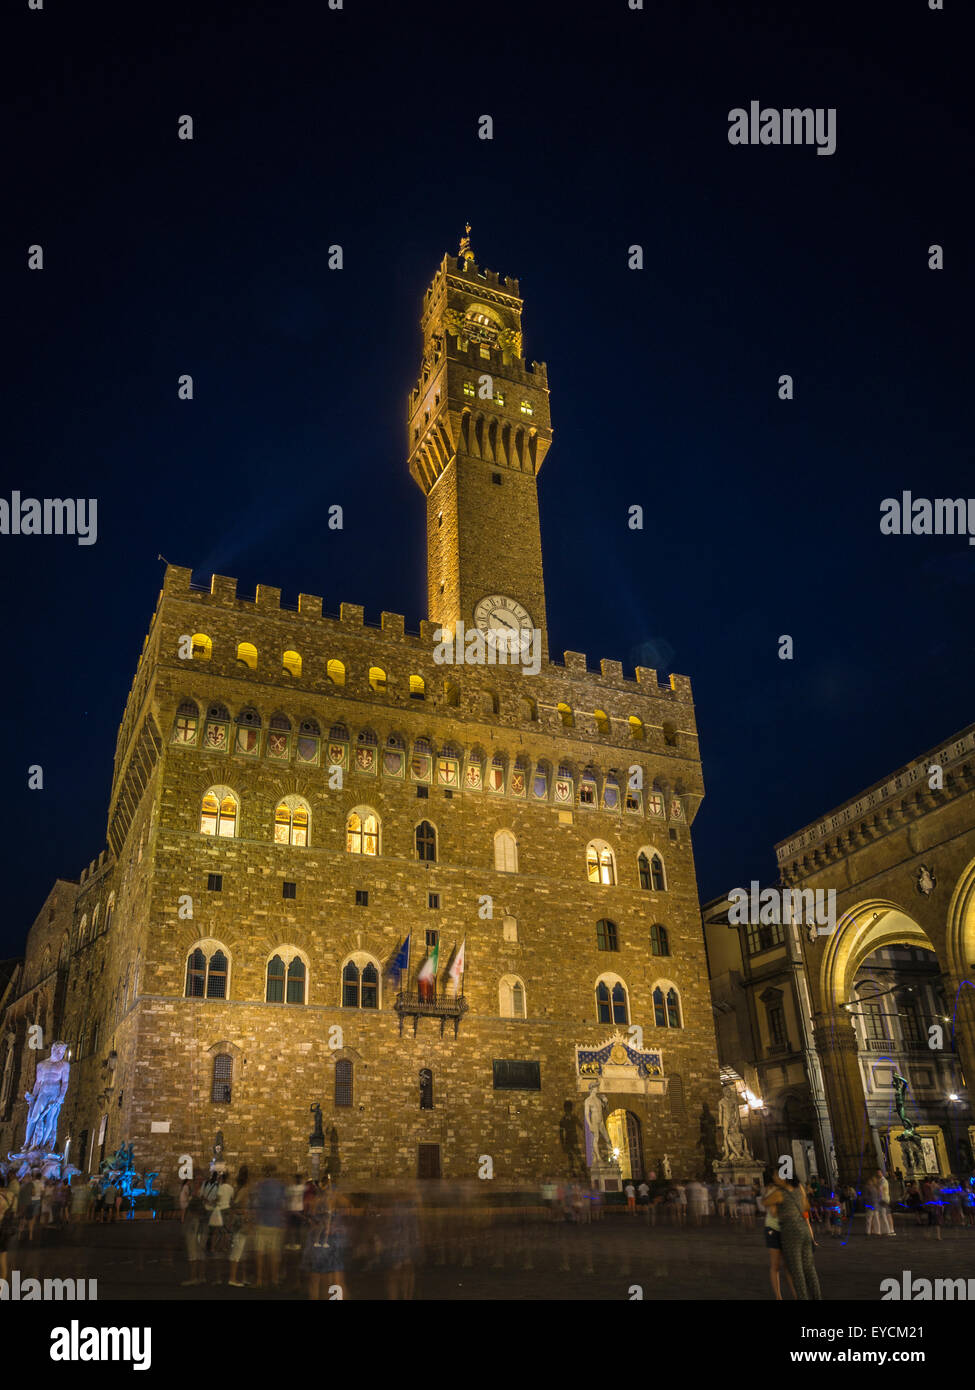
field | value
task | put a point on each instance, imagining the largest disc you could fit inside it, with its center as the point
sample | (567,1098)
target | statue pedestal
(30,1160)
(606,1175)
(738,1172)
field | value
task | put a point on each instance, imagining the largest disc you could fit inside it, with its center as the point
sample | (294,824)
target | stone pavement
(543,1261)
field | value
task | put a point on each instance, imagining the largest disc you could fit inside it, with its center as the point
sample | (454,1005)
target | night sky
(359,127)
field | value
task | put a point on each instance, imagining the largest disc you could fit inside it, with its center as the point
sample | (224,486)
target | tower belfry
(478,431)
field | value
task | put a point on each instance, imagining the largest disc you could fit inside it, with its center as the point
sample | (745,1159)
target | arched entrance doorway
(888,1017)
(626,1138)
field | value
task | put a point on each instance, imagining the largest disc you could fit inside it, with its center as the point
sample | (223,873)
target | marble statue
(594,1110)
(665,1166)
(730,1122)
(46,1099)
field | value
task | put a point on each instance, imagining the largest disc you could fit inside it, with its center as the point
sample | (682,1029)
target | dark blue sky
(359,127)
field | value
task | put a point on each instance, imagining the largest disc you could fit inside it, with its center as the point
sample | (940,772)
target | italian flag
(457,969)
(427,978)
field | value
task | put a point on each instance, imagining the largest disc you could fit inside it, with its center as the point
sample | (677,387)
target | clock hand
(502,622)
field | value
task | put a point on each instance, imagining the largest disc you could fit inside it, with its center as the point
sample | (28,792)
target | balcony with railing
(445,1007)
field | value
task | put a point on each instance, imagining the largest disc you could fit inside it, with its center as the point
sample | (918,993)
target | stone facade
(245,696)
(900,857)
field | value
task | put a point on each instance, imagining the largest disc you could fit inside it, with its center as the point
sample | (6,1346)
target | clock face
(496,614)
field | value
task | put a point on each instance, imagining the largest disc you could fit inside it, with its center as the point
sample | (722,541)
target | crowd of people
(301,1234)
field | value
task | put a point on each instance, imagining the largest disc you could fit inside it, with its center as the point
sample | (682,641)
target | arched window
(611,1001)
(657,874)
(275,980)
(505,852)
(248,739)
(218,815)
(335,672)
(451,694)
(186,723)
(296,981)
(426,842)
(286,976)
(602,722)
(343,1083)
(362,831)
(202,647)
(206,973)
(643,868)
(666,1007)
(217,976)
(223,1079)
(659,940)
(587,788)
(512,997)
(417,688)
(83,930)
(291,822)
(607,935)
(377,678)
(360,983)
(600,863)
(636,727)
(94,919)
(291,662)
(109,910)
(247,655)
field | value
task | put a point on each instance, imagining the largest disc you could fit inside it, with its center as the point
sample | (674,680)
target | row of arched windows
(422,762)
(220,812)
(335,672)
(87,931)
(286,982)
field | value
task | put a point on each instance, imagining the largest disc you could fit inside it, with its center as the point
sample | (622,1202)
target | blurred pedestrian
(269,1211)
(788,1204)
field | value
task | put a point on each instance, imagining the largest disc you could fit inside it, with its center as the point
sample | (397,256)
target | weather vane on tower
(464,250)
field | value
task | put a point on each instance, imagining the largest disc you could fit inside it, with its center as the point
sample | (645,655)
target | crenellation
(267,597)
(177,580)
(223,589)
(226,757)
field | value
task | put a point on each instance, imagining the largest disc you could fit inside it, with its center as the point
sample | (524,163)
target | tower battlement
(221,598)
(474,278)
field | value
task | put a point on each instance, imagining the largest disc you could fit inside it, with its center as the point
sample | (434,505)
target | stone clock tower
(479,430)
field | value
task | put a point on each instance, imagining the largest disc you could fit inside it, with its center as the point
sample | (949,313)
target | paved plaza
(533,1261)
